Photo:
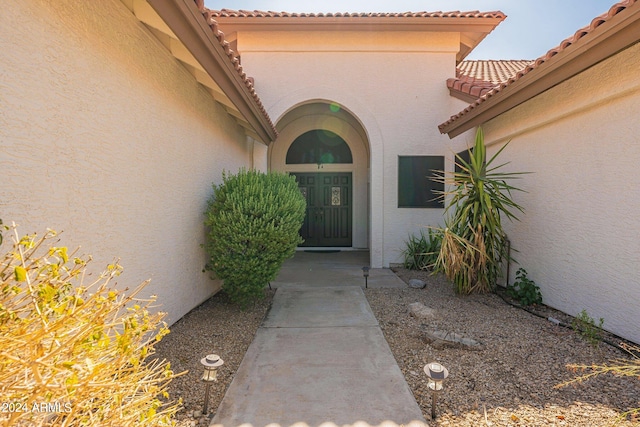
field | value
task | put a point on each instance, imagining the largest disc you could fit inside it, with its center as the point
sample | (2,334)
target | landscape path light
(365,273)
(211,363)
(436,374)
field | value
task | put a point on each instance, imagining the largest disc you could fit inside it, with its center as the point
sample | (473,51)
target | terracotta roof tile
(494,72)
(476,78)
(533,65)
(209,17)
(271,14)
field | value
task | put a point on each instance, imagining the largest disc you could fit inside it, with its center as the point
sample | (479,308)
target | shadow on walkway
(343,268)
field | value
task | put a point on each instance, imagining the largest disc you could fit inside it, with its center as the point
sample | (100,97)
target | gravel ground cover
(216,326)
(508,382)
(511,381)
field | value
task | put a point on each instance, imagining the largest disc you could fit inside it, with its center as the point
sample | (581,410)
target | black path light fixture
(436,374)
(365,273)
(211,363)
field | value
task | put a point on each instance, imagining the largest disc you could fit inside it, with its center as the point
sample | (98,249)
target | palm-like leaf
(474,240)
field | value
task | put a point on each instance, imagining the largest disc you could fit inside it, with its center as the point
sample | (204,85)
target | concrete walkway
(319,358)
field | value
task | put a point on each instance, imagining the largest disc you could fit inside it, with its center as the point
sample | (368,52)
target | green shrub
(524,289)
(421,253)
(253,222)
(586,326)
(72,353)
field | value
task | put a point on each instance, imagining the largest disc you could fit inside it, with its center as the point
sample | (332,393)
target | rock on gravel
(417,284)
(421,311)
(440,339)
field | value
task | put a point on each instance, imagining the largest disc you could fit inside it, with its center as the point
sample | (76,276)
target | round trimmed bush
(253,222)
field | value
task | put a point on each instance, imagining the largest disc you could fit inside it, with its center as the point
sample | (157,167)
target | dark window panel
(416,185)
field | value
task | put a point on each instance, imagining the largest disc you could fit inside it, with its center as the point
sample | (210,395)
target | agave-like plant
(474,243)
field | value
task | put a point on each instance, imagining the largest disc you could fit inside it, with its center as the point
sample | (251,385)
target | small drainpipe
(508,258)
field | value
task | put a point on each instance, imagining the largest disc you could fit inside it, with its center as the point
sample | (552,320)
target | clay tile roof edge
(248,81)
(423,14)
(477,77)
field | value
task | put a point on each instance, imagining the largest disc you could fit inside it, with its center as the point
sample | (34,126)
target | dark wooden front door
(329,204)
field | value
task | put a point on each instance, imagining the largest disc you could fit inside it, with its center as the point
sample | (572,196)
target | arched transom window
(319,147)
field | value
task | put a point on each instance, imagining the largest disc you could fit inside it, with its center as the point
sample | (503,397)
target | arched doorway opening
(326,148)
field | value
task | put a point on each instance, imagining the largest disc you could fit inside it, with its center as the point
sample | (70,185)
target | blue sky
(532,27)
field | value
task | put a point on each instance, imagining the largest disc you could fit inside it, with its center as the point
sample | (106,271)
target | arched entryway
(326,148)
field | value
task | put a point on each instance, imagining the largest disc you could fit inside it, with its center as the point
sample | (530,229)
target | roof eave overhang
(188,24)
(358,23)
(620,32)
(472,29)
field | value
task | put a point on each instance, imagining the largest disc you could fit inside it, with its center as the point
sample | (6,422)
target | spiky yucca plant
(474,242)
(421,252)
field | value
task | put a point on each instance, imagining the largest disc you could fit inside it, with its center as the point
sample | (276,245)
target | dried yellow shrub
(74,353)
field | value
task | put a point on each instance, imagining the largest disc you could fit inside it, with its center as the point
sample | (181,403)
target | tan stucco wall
(105,136)
(392,83)
(580,236)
